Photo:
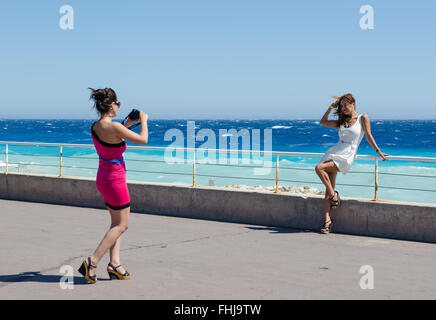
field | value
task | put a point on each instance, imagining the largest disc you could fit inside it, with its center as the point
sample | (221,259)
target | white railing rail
(195,150)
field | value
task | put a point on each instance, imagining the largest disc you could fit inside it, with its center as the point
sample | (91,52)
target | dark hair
(342,118)
(103,99)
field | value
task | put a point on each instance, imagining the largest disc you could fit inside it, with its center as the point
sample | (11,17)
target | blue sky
(275,59)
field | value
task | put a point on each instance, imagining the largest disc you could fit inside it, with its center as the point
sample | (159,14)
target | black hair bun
(98,95)
(103,99)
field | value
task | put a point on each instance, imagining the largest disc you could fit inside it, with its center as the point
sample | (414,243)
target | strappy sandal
(326,229)
(334,204)
(84,270)
(115,275)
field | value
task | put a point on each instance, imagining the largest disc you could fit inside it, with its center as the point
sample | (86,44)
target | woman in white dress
(351,128)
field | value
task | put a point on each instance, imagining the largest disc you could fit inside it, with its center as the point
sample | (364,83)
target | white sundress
(344,152)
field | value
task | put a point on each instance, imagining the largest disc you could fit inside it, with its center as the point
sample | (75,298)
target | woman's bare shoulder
(116,125)
(107,131)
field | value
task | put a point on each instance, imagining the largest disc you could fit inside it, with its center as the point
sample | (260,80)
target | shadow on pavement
(280,230)
(38,277)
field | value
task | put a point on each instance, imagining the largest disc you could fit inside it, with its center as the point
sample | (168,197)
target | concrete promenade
(182,258)
(362,217)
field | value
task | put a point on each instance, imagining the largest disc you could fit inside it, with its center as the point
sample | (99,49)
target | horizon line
(203,119)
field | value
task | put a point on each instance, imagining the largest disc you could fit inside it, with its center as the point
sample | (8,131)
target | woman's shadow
(36,276)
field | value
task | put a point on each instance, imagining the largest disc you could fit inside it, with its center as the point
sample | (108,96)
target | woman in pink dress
(109,140)
(351,127)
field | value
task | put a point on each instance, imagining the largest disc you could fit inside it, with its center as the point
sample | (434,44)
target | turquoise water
(396,178)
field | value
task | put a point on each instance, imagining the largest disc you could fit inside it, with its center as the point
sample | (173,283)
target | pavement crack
(266,294)
(165,244)
(134,247)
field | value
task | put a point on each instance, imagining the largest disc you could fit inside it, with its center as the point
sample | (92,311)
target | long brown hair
(343,118)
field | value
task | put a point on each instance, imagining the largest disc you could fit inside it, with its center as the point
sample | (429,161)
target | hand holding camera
(134,116)
(143,117)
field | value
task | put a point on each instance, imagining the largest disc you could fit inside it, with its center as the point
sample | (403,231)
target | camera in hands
(134,115)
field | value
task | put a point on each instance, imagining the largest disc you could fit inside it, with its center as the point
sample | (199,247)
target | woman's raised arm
(324,120)
(132,136)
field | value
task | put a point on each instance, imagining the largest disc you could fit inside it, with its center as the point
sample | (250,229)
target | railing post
(376,180)
(7,160)
(193,169)
(277,173)
(60,163)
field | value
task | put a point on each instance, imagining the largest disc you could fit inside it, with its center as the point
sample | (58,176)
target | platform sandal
(334,204)
(115,275)
(326,229)
(84,270)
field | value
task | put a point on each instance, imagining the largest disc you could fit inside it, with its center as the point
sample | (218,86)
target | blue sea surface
(396,137)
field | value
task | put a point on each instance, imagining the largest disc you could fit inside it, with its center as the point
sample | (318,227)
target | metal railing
(277,155)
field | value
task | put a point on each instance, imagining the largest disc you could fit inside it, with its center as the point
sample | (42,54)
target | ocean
(412,181)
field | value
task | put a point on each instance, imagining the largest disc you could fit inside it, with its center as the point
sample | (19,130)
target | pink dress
(111,175)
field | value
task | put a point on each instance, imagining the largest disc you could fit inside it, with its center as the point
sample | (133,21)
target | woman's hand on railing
(383,155)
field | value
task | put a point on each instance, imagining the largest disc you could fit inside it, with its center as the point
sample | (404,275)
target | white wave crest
(281,127)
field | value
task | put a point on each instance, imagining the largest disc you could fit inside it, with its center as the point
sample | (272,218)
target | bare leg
(327,172)
(120,223)
(332,177)
(114,253)
(322,170)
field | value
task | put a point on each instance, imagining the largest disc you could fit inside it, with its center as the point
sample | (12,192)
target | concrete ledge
(388,219)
